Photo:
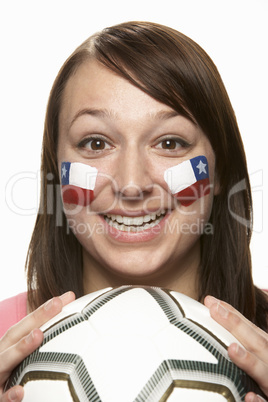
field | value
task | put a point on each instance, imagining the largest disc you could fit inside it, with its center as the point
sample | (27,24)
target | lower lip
(132,237)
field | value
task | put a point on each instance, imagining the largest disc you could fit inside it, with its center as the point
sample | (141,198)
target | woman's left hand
(254,358)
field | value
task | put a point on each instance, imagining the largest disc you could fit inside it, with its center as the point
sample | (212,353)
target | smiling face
(135,230)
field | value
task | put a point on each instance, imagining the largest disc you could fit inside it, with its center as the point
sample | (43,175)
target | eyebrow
(164,114)
(93,112)
(105,113)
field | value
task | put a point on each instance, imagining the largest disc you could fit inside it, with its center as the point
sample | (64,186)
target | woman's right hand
(22,339)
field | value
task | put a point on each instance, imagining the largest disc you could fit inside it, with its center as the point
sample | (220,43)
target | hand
(22,339)
(254,358)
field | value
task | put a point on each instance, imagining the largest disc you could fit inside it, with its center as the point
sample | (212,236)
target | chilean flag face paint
(189,180)
(78,182)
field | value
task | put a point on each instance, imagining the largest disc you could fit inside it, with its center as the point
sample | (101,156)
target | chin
(135,272)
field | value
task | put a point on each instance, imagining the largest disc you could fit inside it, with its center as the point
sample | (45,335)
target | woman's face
(135,230)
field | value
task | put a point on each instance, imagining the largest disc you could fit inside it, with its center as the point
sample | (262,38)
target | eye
(94,144)
(172,144)
(169,144)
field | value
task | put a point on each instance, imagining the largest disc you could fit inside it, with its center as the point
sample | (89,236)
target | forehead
(95,86)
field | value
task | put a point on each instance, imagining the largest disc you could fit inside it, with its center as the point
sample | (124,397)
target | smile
(134,224)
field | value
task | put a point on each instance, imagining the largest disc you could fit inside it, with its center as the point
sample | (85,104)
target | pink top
(12,310)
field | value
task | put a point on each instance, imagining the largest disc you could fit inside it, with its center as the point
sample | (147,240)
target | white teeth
(146,218)
(134,224)
(119,218)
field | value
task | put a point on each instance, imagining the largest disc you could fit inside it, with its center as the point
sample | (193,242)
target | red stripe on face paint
(190,194)
(76,195)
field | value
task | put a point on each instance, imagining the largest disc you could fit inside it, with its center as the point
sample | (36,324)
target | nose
(132,179)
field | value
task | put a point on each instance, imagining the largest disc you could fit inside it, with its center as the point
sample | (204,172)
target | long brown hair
(176,71)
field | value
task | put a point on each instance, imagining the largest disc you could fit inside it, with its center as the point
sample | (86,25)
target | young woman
(139,108)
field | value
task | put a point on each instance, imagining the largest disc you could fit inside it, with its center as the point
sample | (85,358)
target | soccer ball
(133,344)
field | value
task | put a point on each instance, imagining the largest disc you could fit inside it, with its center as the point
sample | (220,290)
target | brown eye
(172,144)
(169,144)
(97,144)
(94,144)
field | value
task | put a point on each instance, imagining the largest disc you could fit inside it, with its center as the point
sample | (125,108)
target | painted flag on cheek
(189,180)
(77,183)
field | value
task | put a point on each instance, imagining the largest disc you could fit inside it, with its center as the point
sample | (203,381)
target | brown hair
(176,71)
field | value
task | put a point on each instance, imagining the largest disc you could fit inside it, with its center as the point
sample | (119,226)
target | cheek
(78,182)
(189,180)
(81,224)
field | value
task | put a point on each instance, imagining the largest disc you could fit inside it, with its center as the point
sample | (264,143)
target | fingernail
(48,304)
(252,398)
(65,296)
(210,300)
(213,299)
(260,399)
(12,395)
(222,310)
(241,352)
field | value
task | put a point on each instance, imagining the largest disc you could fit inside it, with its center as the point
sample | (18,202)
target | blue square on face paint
(200,167)
(65,173)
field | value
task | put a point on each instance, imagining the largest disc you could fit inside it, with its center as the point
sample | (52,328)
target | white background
(36,38)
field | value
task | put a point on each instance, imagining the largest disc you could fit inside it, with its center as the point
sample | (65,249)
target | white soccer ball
(133,344)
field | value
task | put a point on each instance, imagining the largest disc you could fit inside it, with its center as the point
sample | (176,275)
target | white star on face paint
(63,171)
(202,167)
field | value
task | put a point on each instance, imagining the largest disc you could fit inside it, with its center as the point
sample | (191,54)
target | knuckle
(26,345)
(251,361)
(261,344)
(29,342)
(8,339)
(22,347)
(235,319)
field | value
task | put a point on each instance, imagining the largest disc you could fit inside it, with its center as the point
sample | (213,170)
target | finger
(35,320)
(251,364)
(47,311)
(251,397)
(14,394)
(253,338)
(14,355)
(212,301)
